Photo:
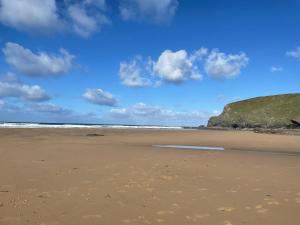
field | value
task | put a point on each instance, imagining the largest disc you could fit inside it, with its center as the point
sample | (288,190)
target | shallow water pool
(209,148)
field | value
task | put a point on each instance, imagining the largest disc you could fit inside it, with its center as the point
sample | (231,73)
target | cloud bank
(142,113)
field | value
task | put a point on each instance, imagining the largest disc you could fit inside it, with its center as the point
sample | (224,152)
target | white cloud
(84,17)
(172,67)
(136,72)
(12,88)
(37,64)
(295,53)
(142,113)
(87,17)
(99,97)
(274,69)
(155,11)
(30,15)
(177,66)
(220,65)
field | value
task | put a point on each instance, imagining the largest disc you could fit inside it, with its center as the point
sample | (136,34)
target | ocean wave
(41,125)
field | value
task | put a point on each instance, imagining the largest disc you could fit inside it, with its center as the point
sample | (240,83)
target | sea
(76,125)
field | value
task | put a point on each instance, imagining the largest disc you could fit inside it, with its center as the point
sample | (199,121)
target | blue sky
(166,62)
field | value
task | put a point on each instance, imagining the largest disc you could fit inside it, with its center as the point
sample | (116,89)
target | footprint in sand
(226,209)
(297,200)
(227,222)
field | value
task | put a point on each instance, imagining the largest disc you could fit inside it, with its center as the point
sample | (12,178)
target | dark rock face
(278,111)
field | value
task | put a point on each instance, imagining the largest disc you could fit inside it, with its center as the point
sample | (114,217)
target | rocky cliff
(277,111)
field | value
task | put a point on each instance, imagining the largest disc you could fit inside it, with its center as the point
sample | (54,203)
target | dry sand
(64,177)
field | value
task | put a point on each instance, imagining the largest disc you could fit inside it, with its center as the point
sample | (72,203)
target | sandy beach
(67,177)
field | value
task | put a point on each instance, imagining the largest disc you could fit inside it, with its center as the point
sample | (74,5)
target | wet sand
(67,177)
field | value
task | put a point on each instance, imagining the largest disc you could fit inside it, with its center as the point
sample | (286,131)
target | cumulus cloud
(179,66)
(274,69)
(100,97)
(11,87)
(87,17)
(294,54)
(155,11)
(30,15)
(220,65)
(176,66)
(136,72)
(142,113)
(171,67)
(37,64)
(84,17)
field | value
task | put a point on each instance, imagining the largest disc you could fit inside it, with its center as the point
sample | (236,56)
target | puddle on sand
(208,148)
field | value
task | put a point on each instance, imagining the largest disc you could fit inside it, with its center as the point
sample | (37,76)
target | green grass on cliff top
(276,110)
